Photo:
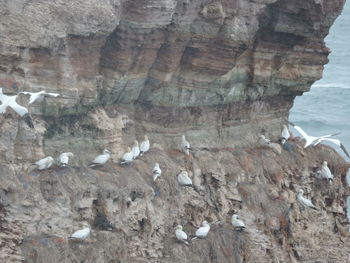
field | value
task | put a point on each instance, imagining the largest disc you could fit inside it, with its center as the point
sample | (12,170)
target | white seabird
(135,150)
(128,157)
(38,96)
(101,159)
(285,132)
(156,171)
(180,234)
(263,140)
(203,231)
(10,101)
(304,201)
(311,140)
(184,179)
(82,233)
(64,158)
(237,223)
(44,163)
(325,173)
(185,145)
(145,145)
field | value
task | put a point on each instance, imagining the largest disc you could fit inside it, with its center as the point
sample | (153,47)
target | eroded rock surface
(220,72)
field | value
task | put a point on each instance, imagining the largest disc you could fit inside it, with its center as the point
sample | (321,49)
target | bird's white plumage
(101,159)
(203,231)
(237,223)
(82,233)
(10,101)
(156,171)
(44,163)
(304,201)
(185,145)
(128,157)
(180,234)
(64,158)
(135,150)
(38,96)
(145,145)
(263,140)
(184,179)
(311,140)
(285,132)
(325,172)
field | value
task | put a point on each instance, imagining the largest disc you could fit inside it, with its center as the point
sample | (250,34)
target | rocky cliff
(221,72)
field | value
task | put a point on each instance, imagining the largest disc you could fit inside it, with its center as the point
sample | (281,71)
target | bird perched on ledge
(101,159)
(185,145)
(237,223)
(306,203)
(44,163)
(180,234)
(145,145)
(156,171)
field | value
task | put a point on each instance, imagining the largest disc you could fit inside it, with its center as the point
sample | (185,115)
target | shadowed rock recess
(220,72)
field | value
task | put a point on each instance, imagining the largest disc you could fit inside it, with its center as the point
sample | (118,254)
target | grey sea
(326,108)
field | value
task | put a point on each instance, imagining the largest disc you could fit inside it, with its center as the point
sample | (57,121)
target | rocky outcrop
(221,72)
(241,63)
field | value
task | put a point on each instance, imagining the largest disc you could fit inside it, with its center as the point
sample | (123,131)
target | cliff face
(221,72)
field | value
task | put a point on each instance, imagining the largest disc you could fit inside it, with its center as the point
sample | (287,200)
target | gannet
(285,132)
(156,171)
(304,201)
(101,159)
(263,140)
(325,173)
(44,163)
(185,145)
(184,179)
(144,147)
(38,96)
(64,158)
(135,150)
(311,140)
(82,233)
(180,234)
(203,231)
(237,223)
(128,157)
(10,101)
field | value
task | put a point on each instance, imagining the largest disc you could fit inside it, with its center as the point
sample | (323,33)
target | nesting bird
(101,159)
(263,140)
(10,101)
(156,171)
(180,234)
(44,163)
(185,145)
(237,223)
(128,157)
(184,179)
(285,132)
(82,233)
(38,96)
(325,173)
(64,158)
(306,203)
(145,145)
(203,231)
(135,150)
